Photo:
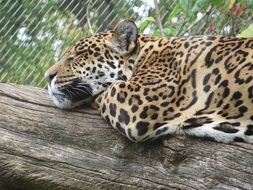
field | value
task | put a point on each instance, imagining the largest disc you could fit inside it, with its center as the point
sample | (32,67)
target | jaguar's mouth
(70,95)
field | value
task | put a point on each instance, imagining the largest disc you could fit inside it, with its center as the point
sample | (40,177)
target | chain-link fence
(35,33)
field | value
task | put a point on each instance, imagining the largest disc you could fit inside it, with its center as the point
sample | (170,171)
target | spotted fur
(147,87)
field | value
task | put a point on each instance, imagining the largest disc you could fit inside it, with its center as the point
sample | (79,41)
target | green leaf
(184,5)
(228,5)
(174,12)
(240,1)
(247,32)
(199,6)
(218,3)
(170,31)
(250,3)
(156,32)
(144,24)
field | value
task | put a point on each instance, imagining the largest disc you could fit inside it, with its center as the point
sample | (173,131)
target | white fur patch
(207,130)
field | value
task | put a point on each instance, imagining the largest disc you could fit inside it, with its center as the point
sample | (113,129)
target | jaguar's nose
(49,76)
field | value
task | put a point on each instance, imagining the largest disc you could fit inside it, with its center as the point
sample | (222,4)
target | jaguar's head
(93,64)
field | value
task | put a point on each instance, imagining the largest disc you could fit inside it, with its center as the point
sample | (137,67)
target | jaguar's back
(148,87)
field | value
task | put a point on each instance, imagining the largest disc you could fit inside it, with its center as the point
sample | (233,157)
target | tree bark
(42,148)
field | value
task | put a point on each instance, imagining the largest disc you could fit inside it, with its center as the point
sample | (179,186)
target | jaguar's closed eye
(71,57)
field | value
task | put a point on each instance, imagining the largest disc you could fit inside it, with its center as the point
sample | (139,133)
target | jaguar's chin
(69,98)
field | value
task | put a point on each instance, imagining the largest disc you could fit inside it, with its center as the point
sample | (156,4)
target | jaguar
(148,87)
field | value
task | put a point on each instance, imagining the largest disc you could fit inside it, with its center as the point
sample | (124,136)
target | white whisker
(86,90)
(70,92)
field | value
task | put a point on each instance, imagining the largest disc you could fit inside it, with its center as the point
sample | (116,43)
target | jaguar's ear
(125,38)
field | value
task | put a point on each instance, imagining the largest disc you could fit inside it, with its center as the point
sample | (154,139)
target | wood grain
(42,148)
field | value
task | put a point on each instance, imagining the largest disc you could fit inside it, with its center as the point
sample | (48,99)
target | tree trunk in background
(42,148)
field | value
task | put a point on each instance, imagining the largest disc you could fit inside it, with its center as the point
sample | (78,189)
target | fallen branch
(42,148)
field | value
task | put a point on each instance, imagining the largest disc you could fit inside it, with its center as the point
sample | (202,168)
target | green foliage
(248,32)
(35,34)
(145,22)
(218,3)
(31,31)
(204,17)
(175,11)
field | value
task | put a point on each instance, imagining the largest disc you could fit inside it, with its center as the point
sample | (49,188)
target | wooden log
(42,147)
